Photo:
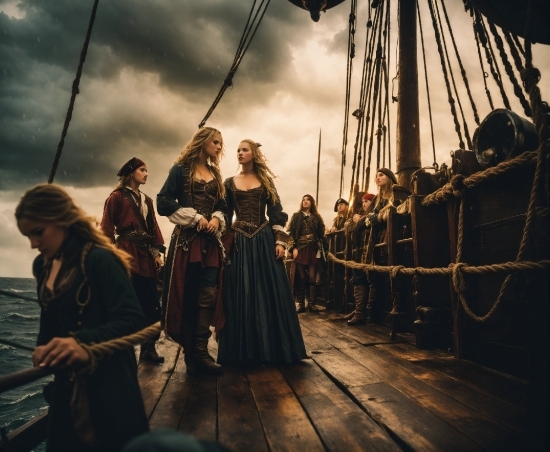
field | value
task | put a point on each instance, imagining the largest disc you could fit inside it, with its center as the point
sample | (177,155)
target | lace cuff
(221,217)
(185,216)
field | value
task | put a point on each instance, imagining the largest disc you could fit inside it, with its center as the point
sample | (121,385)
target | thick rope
(105,349)
(458,183)
(248,34)
(75,91)
(457,271)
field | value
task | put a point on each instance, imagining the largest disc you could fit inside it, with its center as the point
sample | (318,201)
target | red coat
(120,219)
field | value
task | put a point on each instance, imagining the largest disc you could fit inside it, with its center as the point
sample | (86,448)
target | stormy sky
(152,71)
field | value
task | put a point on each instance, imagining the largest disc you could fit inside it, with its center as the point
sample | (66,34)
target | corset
(205,197)
(250,210)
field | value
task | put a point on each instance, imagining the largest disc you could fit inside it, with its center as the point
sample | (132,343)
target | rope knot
(395,270)
(457,185)
(229,79)
(530,77)
(459,280)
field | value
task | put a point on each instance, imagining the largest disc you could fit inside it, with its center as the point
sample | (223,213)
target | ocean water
(19,322)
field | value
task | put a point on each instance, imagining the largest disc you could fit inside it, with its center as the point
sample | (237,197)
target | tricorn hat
(338,201)
(130,166)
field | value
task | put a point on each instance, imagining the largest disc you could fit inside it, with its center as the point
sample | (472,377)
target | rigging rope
(427,85)
(349,71)
(485,75)
(444,68)
(248,34)
(74,92)
(509,70)
(462,70)
(491,60)
(465,125)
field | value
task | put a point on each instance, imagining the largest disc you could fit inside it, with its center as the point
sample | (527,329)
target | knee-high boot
(312,301)
(371,300)
(301,297)
(207,302)
(360,296)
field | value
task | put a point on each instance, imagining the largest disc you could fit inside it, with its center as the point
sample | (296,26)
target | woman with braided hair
(86,297)
(261,322)
(193,198)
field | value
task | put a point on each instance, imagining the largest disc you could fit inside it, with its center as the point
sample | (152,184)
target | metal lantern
(316,6)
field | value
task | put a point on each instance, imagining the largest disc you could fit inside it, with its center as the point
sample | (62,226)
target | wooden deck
(359,391)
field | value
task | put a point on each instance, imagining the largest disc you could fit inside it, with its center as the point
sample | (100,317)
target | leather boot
(189,349)
(312,301)
(371,301)
(149,354)
(301,298)
(203,361)
(360,296)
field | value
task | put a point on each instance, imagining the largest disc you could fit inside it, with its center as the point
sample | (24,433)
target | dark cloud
(188,45)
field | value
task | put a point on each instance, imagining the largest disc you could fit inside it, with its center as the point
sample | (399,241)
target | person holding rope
(307,231)
(86,297)
(261,321)
(193,198)
(129,216)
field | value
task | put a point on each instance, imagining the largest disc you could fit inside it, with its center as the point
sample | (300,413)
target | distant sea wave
(19,322)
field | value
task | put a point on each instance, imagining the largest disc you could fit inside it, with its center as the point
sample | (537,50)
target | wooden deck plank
(462,390)
(481,428)
(154,377)
(199,416)
(169,410)
(240,428)
(341,423)
(390,406)
(286,425)
(505,387)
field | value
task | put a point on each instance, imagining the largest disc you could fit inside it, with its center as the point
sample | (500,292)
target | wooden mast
(408,133)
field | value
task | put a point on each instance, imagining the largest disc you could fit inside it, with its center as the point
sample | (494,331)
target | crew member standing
(129,221)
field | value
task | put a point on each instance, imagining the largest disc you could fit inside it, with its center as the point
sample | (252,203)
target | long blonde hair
(190,155)
(263,173)
(50,203)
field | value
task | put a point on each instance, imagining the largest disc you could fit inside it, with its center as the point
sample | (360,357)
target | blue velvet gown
(261,321)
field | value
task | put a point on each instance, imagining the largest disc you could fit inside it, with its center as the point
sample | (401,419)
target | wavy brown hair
(49,203)
(313,208)
(123,181)
(262,171)
(190,155)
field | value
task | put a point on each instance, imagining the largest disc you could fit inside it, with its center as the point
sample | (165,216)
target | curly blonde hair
(190,155)
(50,203)
(263,173)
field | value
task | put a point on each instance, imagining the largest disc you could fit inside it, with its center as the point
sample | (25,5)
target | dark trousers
(148,296)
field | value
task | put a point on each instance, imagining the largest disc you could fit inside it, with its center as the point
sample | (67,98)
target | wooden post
(318,168)
(408,133)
